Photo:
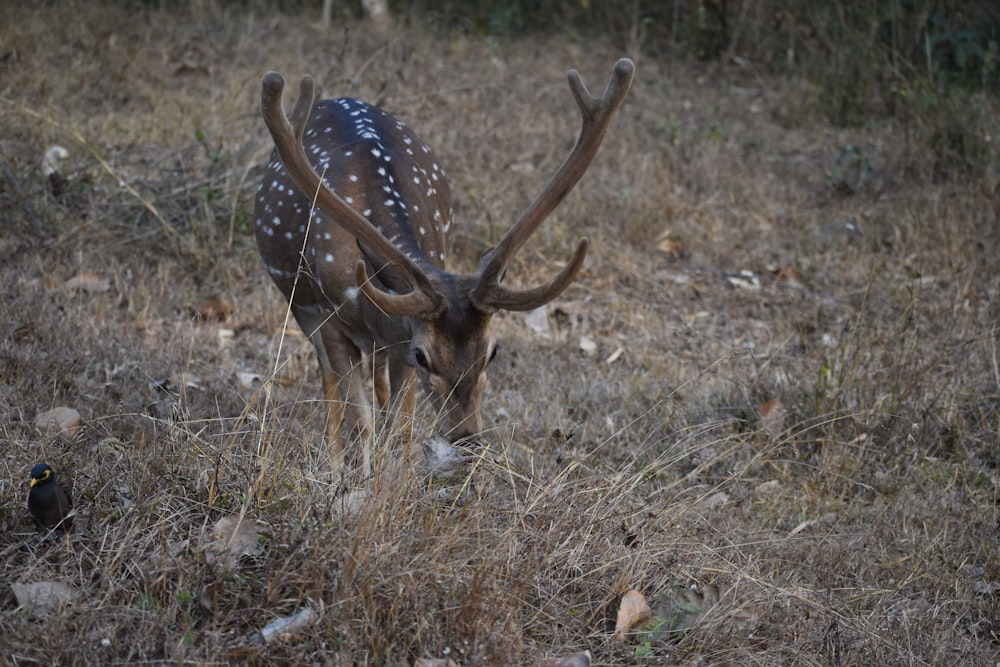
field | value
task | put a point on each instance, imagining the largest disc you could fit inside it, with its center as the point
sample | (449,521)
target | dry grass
(860,529)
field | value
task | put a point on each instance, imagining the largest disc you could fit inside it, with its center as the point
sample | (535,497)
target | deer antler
(287,135)
(596,113)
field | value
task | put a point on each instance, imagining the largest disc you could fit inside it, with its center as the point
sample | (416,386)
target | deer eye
(493,353)
(421,359)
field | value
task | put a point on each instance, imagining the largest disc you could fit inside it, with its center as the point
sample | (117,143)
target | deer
(352,221)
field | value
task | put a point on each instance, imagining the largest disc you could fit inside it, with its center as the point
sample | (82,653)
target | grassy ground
(797,465)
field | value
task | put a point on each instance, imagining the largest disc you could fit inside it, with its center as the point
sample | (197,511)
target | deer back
(379,168)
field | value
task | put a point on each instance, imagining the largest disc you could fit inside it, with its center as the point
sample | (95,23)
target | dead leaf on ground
(89,282)
(214,309)
(435,662)
(23,332)
(671,244)
(581,659)
(772,417)
(788,275)
(41,597)
(633,610)
(233,538)
(58,421)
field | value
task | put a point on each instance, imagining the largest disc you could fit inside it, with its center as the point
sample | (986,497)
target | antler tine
(596,114)
(287,136)
(501,298)
(412,303)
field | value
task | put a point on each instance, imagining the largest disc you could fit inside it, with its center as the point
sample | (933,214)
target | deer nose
(467,429)
(458,435)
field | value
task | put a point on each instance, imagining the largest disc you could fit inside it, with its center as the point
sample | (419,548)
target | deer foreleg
(345,392)
(380,376)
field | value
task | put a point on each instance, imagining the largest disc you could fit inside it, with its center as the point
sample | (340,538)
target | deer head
(352,222)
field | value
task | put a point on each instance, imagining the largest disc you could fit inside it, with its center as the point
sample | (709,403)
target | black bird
(48,502)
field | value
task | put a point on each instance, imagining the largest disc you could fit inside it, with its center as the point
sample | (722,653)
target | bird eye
(421,359)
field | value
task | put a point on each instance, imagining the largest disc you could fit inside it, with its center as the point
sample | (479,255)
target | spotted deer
(352,223)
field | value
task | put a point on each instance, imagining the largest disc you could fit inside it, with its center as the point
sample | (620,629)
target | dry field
(770,403)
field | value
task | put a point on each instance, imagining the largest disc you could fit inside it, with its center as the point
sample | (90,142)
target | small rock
(59,421)
(441,459)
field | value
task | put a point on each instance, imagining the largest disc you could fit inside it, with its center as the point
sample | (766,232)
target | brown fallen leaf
(23,332)
(58,421)
(633,610)
(214,308)
(669,243)
(788,275)
(772,417)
